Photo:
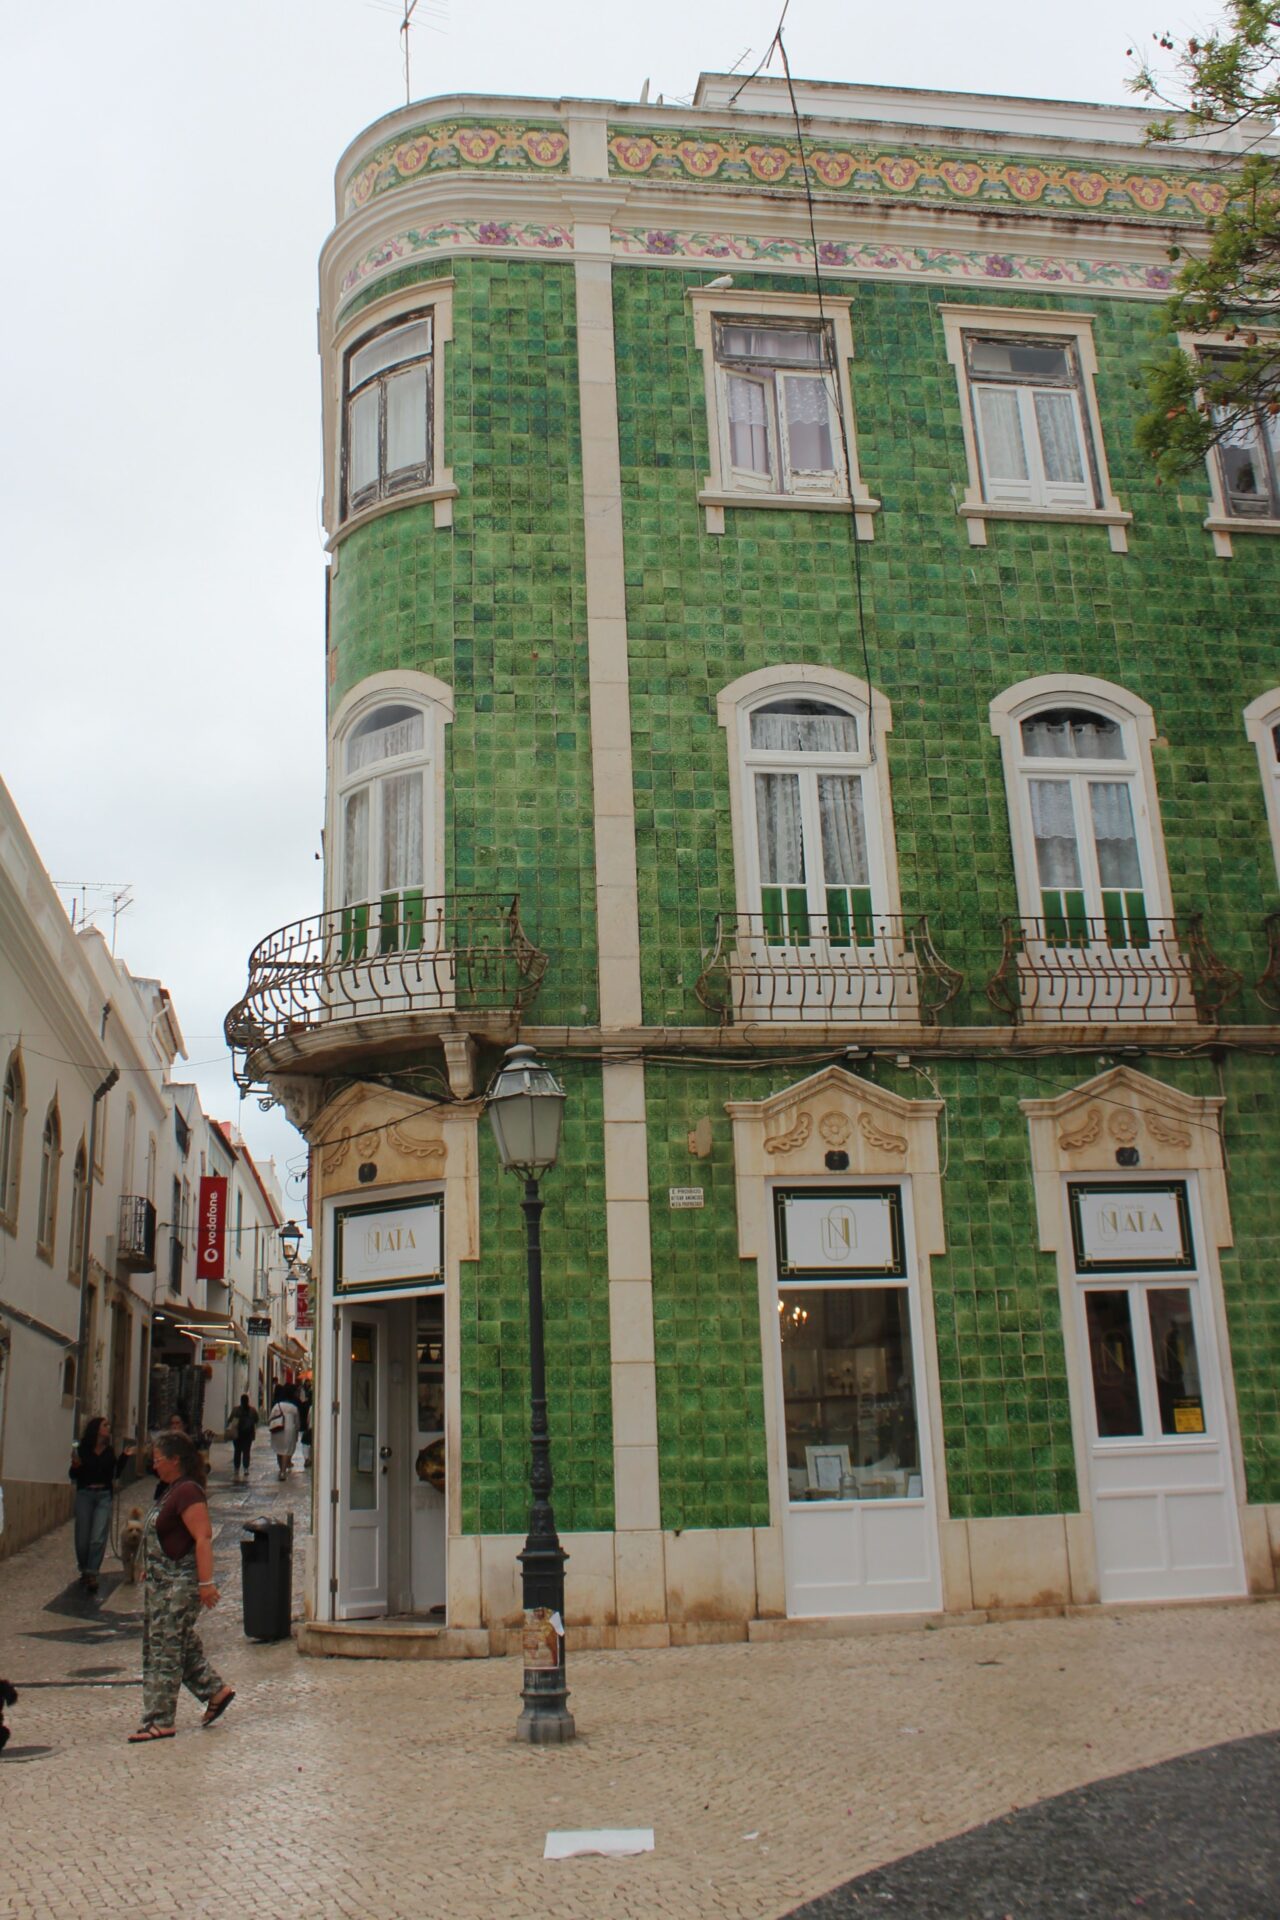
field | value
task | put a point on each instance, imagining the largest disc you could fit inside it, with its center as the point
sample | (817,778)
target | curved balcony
(1109,970)
(850,966)
(380,977)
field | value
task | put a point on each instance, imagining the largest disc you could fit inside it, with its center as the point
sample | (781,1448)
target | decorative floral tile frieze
(962,179)
(981,263)
(448,237)
(444,146)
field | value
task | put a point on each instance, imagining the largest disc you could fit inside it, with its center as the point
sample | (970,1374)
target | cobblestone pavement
(390,1791)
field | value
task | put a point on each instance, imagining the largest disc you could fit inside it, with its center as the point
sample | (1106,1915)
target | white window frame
(1076,330)
(1261,718)
(434,299)
(1220,521)
(1134,716)
(79,1197)
(11,1141)
(726,486)
(50,1163)
(435,701)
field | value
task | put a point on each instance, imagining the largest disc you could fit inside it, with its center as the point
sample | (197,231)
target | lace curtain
(780,731)
(1000,429)
(1113,834)
(1059,432)
(1053,824)
(748,426)
(779,831)
(844,831)
(808,425)
(1066,735)
(387,734)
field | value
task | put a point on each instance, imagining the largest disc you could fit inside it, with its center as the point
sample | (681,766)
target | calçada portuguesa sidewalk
(388,1791)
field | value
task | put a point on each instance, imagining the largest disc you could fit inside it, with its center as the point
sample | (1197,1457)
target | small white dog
(131,1545)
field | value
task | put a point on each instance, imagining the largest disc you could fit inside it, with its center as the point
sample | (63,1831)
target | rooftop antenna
(120,901)
(409,9)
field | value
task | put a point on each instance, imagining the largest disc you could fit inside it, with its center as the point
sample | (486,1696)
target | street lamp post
(526,1106)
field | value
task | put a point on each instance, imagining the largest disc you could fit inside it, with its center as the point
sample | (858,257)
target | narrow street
(770,1773)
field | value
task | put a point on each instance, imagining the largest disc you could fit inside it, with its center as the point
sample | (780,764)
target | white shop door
(1165,1520)
(861,1532)
(363,1456)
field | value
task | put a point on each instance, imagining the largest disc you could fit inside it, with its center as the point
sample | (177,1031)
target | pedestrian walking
(244,1425)
(305,1404)
(177,1548)
(95,1468)
(284,1427)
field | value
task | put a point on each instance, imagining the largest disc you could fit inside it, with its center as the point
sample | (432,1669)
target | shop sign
(1144,1227)
(259,1323)
(840,1230)
(211,1355)
(302,1309)
(211,1231)
(388,1247)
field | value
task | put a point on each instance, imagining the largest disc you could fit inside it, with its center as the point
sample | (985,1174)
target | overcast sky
(168,173)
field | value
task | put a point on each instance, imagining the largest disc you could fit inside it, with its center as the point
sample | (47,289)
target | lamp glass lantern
(291,1240)
(526,1111)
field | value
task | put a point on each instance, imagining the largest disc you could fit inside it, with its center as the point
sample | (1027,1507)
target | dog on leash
(131,1544)
(8,1698)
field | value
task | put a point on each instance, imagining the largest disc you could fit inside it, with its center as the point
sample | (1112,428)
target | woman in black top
(95,1468)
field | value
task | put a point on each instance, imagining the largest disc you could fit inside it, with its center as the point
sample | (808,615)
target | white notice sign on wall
(388,1246)
(854,1233)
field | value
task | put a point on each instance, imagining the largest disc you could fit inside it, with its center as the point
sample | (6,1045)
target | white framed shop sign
(388,1247)
(844,1232)
(1143,1226)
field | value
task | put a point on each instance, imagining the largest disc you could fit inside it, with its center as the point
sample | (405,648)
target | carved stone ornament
(877,1137)
(1085,1134)
(364,1145)
(834,1128)
(1123,1126)
(1166,1131)
(415,1148)
(796,1137)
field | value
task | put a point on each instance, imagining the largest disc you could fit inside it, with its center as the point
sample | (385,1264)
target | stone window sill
(442,495)
(1224,526)
(862,507)
(1114,519)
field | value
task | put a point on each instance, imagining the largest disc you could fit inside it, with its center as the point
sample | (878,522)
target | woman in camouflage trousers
(177,1548)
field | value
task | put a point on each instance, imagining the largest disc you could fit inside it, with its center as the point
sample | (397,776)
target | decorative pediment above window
(835,1112)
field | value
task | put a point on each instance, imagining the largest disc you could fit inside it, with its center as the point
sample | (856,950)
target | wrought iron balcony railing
(136,1234)
(846,966)
(1267,986)
(402,954)
(1099,969)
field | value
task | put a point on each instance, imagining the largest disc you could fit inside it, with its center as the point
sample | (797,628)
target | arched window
(1083,810)
(12,1108)
(79,1188)
(388,798)
(50,1157)
(1262,724)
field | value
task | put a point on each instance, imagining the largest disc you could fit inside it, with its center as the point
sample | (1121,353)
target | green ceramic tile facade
(496,608)
(494,1347)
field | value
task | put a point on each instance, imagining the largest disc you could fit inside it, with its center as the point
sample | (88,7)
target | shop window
(1032,431)
(47,1204)
(387,443)
(777,384)
(1262,724)
(12,1109)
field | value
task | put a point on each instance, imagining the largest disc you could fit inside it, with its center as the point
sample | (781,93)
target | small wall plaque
(685,1196)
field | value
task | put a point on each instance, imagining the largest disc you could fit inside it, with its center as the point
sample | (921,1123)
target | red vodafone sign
(211,1228)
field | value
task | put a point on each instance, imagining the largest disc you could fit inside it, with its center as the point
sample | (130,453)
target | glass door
(363,1460)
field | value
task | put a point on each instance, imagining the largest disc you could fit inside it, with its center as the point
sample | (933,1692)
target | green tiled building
(764,675)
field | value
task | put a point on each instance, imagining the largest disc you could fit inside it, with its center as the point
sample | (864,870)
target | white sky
(168,183)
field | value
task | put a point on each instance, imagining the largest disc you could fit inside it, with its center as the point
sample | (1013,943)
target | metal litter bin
(266,1573)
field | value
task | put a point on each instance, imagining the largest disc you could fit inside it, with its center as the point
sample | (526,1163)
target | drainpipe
(82,1338)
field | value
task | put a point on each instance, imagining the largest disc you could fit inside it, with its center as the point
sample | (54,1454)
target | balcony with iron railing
(1122,967)
(788,963)
(380,976)
(136,1234)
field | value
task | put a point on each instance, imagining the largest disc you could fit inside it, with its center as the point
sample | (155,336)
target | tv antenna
(410,7)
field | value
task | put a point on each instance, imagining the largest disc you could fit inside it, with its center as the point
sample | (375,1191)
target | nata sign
(388,1248)
(1142,1227)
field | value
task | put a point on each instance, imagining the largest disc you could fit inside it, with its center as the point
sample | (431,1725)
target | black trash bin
(266,1572)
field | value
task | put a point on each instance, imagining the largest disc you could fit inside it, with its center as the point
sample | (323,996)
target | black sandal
(216,1708)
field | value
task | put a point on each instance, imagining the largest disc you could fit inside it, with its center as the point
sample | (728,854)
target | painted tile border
(448,238)
(937,263)
(442,146)
(921,173)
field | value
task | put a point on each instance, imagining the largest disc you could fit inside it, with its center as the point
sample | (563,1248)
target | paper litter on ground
(614,1841)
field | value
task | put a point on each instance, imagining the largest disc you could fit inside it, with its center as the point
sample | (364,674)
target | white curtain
(362,441)
(748,425)
(782,732)
(779,832)
(403,733)
(844,831)
(407,419)
(1056,421)
(788,346)
(401,865)
(808,424)
(1054,827)
(1003,452)
(355,845)
(1113,834)
(1072,736)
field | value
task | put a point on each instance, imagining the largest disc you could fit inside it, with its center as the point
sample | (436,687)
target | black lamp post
(526,1105)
